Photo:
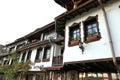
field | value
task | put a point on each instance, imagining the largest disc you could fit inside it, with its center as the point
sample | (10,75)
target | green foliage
(11,70)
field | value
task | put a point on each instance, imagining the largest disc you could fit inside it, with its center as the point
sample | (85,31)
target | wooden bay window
(91,29)
(74,34)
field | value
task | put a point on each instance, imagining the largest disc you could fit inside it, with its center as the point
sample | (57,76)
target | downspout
(110,38)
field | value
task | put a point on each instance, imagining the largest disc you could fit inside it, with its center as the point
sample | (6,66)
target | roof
(52,24)
(1,46)
(65,3)
(16,41)
(68,4)
(84,7)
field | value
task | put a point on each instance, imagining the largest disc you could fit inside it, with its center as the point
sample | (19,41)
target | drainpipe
(109,36)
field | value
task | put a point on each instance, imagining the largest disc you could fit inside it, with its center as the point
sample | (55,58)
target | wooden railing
(57,60)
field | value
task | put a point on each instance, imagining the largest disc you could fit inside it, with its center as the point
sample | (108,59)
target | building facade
(91,46)
(81,44)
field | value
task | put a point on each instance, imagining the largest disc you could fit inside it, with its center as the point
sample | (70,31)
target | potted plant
(74,42)
(92,37)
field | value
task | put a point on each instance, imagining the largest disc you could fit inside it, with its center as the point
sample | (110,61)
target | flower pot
(73,43)
(92,38)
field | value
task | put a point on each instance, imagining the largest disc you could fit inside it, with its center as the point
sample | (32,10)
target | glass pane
(95,29)
(114,76)
(78,35)
(74,31)
(48,54)
(78,30)
(90,32)
(94,25)
(74,36)
(89,26)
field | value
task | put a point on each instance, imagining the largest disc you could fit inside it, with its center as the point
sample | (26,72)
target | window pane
(23,56)
(95,29)
(75,33)
(94,25)
(89,26)
(29,55)
(39,53)
(90,32)
(47,53)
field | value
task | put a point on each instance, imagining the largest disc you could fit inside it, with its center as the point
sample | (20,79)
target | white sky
(20,17)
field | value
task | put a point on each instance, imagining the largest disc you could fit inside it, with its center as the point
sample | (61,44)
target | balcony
(37,43)
(57,60)
(32,45)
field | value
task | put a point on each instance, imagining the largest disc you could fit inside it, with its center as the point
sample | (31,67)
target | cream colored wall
(94,50)
(113,15)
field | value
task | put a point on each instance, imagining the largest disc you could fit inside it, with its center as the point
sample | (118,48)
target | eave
(16,41)
(85,7)
(39,30)
(98,65)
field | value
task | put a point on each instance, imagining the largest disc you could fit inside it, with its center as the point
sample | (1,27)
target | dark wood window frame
(45,58)
(29,54)
(74,34)
(6,62)
(38,55)
(91,29)
(23,56)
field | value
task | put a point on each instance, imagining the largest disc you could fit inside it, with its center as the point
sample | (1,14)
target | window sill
(38,60)
(74,43)
(46,60)
(92,38)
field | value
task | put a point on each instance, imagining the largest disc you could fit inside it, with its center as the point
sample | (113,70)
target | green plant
(10,71)
(25,66)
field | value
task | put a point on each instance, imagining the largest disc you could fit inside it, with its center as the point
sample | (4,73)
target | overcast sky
(20,17)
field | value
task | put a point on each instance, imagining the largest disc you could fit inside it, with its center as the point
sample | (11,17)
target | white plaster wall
(113,15)
(45,64)
(97,49)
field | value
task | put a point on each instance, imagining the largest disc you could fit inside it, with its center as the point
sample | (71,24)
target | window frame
(45,58)
(74,42)
(38,55)
(95,36)
(48,34)
(23,56)
(29,54)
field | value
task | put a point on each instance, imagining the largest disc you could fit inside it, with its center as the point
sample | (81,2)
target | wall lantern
(81,46)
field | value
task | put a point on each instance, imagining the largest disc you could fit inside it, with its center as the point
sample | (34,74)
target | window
(91,30)
(23,56)
(74,34)
(29,54)
(38,55)
(11,49)
(6,62)
(20,46)
(47,53)
(49,34)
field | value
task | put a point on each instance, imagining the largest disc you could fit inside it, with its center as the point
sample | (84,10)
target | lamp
(81,46)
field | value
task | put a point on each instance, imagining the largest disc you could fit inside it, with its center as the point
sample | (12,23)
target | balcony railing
(37,43)
(57,60)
